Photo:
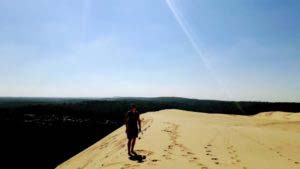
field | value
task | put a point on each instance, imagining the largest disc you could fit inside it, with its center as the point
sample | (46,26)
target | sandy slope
(179,139)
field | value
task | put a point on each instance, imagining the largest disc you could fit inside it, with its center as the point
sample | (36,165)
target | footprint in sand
(172,131)
(209,153)
(232,152)
(207,150)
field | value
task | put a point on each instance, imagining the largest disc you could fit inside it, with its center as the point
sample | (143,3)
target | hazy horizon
(137,97)
(217,50)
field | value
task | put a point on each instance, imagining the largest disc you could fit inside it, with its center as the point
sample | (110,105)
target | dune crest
(278,115)
(180,139)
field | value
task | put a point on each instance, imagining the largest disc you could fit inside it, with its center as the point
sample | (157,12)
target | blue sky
(208,49)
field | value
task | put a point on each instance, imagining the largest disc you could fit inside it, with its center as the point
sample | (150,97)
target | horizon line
(114,97)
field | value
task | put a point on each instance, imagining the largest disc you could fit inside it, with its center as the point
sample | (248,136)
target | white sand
(180,139)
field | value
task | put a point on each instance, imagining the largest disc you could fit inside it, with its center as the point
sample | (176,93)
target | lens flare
(190,35)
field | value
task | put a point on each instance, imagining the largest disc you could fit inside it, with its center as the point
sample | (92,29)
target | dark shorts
(132,134)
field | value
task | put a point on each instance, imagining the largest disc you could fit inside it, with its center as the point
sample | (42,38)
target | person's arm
(139,123)
(126,122)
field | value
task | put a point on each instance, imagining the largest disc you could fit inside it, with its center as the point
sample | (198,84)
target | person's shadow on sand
(137,157)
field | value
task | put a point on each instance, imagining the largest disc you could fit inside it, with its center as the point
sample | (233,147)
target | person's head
(133,108)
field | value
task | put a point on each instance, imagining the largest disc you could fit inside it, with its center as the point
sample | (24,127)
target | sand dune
(279,116)
(180,139)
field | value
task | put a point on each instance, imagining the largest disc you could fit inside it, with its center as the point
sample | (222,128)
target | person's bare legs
(132,145)
(129,146)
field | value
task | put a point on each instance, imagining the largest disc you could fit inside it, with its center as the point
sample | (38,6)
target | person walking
(133,127)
